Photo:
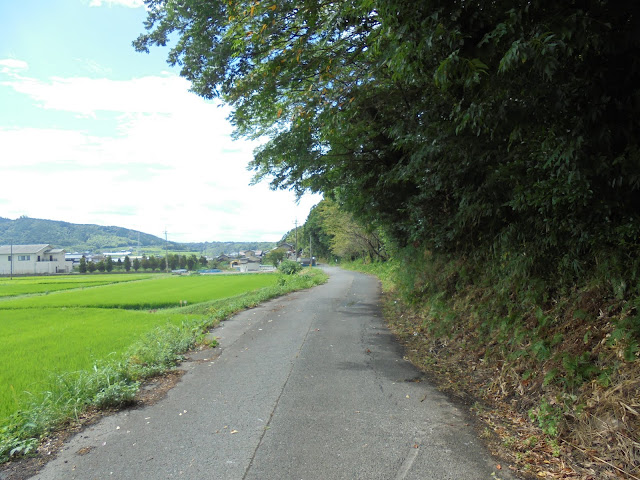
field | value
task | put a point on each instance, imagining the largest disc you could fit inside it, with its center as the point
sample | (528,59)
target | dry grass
(597,422)
(608,430)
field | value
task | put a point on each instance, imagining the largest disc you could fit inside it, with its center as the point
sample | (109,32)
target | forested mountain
(98,238)
(25,230)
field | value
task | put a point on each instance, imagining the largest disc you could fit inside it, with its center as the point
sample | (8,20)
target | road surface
(307,386)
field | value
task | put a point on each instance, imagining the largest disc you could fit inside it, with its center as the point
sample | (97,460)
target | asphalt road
(308,386)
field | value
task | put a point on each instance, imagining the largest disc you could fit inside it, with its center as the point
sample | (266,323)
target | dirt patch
(156,388)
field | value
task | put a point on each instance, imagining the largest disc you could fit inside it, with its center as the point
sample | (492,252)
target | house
(236,262)
(248,264)
(32,260)
(96,258)
(289,248)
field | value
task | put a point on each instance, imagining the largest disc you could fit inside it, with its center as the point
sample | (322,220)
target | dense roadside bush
(289,267)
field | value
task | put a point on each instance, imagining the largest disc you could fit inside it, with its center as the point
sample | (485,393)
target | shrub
(289,267)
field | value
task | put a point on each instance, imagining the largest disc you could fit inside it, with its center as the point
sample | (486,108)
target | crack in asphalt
(275,405)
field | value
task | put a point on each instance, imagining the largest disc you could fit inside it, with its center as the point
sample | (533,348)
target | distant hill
(98,238)
(213,249)
(25,230)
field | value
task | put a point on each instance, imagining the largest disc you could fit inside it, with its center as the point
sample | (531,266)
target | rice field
(153,293)
(44,333)
(29,285)
(39,344)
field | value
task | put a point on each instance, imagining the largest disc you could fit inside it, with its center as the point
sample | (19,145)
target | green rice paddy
(29,285)
(153,293)
(54,325)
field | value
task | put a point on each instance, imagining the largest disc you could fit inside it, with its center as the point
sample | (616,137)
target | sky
(92,131)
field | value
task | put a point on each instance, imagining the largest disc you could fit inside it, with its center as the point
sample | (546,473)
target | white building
(250,267)
(32,260)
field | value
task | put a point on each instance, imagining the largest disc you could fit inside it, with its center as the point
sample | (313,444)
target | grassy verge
(114,383)
(556,374)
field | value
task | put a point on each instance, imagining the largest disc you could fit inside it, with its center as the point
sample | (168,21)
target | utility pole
(296,239)
(310,252)
(166,252)
(11,255)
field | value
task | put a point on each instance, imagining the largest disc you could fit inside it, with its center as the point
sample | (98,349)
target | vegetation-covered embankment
(555,371)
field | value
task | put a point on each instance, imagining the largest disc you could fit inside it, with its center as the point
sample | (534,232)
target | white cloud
(29,147)
(123,3)
(10,66)
(171,164)
(94,67)
(87,96)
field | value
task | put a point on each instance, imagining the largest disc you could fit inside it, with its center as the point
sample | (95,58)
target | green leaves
(482,129)
(289,267)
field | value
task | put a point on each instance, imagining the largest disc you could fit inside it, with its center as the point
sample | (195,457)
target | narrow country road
(307,386)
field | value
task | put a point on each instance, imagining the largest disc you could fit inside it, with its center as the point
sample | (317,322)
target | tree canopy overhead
(498,127)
